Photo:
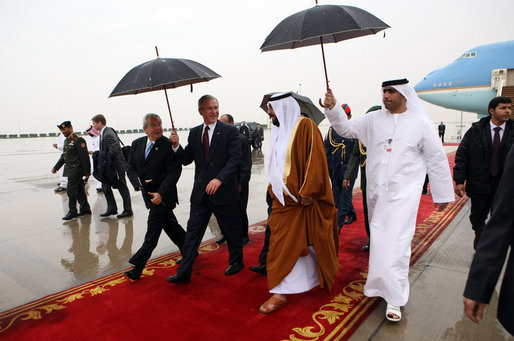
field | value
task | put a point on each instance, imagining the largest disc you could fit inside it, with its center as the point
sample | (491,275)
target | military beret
(65,124)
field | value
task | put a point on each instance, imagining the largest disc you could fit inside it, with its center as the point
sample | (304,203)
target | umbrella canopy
(306,106)
(162,73)
(331,23)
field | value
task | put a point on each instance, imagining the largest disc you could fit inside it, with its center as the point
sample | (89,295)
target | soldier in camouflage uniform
(75,159)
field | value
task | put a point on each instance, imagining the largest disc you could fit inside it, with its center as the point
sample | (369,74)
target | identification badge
(388,145)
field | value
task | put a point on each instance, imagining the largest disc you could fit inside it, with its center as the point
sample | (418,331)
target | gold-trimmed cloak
(295,227)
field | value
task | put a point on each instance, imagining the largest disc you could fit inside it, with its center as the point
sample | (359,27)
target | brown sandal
(272,304)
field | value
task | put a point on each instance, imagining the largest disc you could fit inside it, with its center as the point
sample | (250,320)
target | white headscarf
(413,102)
(287,111)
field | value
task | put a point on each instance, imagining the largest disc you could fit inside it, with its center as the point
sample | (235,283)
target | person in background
(359,158)
(110,142)
(244,130)
(479,160)
(75,159)
(441,129)
(338,151)
(95,145)
(243,177)
(63,180)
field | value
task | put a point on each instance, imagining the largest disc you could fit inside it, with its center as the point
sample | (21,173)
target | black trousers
(124,192)
(159,218)
(481,206)
(263,256)
(76,192)
(230,224)
(243,204)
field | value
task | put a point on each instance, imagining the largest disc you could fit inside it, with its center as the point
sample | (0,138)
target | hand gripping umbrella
(162,74)
(306,106)
(322,24)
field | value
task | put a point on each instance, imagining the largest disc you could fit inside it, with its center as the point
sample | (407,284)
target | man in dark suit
(154,169)
(243,173)
(216,150)
(491,254)
(244,130)
(110,142)
(441,129)
(479,160)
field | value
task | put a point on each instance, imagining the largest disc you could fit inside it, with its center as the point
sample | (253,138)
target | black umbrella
(306,106)
(322,24)
(162,74)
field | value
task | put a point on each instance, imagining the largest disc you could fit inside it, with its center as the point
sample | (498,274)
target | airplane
(471,81)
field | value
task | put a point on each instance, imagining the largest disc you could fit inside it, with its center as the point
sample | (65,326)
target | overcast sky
(60,59)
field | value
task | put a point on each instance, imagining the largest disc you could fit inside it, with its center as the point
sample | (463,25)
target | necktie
(205,142)
(148,148)
(494,169)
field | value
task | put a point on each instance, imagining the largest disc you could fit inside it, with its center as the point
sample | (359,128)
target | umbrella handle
(169,109)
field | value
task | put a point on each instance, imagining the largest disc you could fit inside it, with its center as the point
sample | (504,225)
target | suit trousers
(124,192)
(481,206)
(243,204)
(159,218)
(76,192)
(230,224)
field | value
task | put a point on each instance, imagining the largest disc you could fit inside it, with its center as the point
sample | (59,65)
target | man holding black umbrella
(215,148)
(402,147)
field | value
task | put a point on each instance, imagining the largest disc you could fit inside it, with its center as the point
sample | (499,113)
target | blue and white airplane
(470,82)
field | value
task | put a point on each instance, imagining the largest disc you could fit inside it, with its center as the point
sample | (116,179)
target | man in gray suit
(110,143)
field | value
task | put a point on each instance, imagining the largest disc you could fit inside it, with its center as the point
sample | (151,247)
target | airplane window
(435,85)
(444,84)
(469,55)
(450,84)
(439,84)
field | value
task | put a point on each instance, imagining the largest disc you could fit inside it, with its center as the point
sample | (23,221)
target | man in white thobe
(402,146)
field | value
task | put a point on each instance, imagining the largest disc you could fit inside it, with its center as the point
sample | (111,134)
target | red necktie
(205,142)
(494,169)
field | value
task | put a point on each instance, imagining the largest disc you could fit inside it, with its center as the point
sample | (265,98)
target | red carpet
(214,306)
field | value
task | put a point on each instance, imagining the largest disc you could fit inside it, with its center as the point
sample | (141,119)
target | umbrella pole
(324,66)
(166,94)
(169,109)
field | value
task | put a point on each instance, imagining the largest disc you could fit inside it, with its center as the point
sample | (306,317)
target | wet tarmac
(41,254)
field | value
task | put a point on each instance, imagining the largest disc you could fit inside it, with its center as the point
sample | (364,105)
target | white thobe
(303,277)
(401,149)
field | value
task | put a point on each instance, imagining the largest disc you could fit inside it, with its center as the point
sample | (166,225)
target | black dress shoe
(246,240)
(234,269)
(178,261)
(366,247)
(350,220)
(69,216)
(80,214)
(108,213)
(221,240)
(259,268)
(176,278)
(125,214)
(133,274)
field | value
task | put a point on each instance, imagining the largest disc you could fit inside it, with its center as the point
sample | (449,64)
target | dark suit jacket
(473,157)
(161,166)
(492,249)
(245,167)
(222,164)
(111,143)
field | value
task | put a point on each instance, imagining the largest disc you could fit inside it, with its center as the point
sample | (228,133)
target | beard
(276,122)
